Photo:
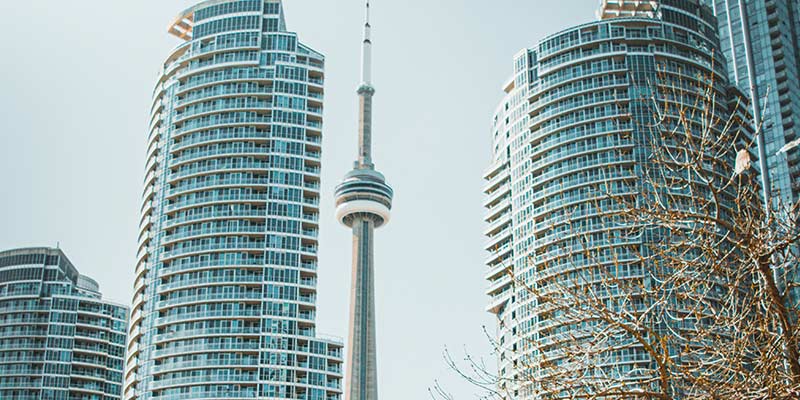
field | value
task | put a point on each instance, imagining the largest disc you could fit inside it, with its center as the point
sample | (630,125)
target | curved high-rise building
(570,136)
(225,289)
(363,203)
(59,339)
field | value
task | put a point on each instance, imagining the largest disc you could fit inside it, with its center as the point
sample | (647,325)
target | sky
(76,80)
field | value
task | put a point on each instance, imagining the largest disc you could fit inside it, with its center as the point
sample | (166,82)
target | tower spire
(366,51)
(365,93)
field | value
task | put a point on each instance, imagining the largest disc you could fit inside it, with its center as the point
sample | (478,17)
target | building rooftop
(627,8)
(182,25)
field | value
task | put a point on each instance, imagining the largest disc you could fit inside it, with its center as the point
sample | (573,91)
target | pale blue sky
(75,85)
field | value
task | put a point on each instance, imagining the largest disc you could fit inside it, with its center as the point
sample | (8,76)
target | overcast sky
(75,84)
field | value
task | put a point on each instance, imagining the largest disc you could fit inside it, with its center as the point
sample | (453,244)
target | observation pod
(365,193)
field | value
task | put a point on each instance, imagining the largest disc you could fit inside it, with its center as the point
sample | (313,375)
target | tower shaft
(362,361)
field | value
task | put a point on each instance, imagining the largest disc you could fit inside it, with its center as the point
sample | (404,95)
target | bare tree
(682,289)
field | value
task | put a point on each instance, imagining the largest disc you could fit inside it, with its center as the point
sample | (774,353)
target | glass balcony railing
(581,54)
(570,135)
(233,347)
(221,119)
(227,378)
(213,181)
(574,105)
(23,358)
(204,332)
(579,87)
(577,118)
(569,200)
(237,41)
(309,265)
(226,58)
(207,363)
(206,315)
(6,370)
(233,296)
(225,150)
(221,166)
(217,198)
(256,245)
(223,90)
(24,319)
(228,106)
(219,213)
(226,75)
(217,280)
(575,165)
(579,180)
(569,151)
(581,130)
(216,231)
(239,261)
(219,135)
(216,394)
(560,78)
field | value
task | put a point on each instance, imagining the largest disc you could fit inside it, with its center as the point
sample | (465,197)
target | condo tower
(59,339)
(569,137)
(224,302)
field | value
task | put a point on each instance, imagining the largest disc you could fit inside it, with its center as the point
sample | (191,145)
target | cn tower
(363,203)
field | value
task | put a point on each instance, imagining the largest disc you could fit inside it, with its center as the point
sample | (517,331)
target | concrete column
(362,378)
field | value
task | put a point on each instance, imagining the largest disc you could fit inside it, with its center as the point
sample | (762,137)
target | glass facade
(225,290)
(774,30)
(570,136)
(59,340)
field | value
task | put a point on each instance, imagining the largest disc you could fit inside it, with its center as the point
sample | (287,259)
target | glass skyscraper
(772,54)
(59,340)
(225,288)
(774,33)
(569,136)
